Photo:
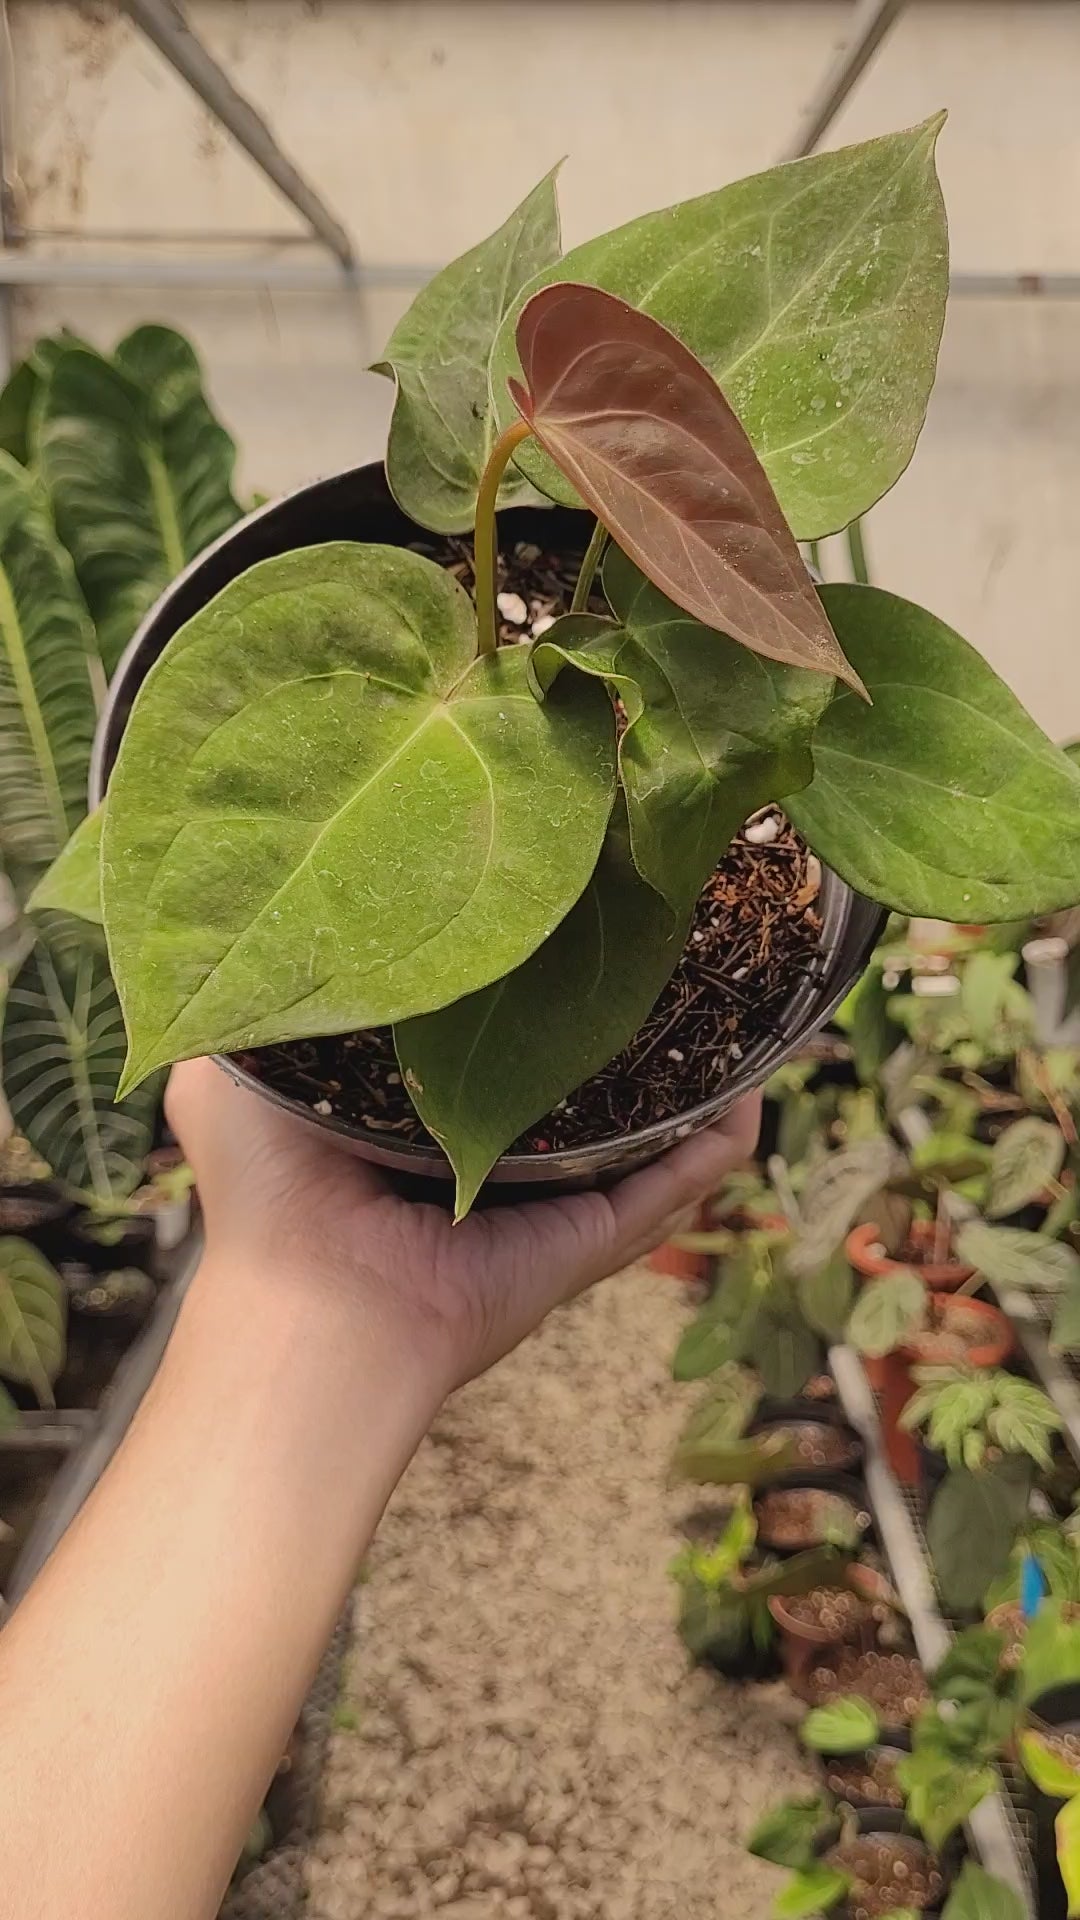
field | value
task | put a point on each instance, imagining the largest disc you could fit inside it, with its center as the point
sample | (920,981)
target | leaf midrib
(26,694)
(165,510)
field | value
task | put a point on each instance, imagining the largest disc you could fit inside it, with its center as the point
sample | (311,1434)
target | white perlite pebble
(761,832)
(323,1107)
(513,608)
(674,1053)
(540,626)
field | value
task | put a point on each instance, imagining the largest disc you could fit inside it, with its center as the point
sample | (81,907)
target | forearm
(150,1680)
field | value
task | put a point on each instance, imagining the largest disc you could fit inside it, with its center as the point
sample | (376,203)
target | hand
(281,1198)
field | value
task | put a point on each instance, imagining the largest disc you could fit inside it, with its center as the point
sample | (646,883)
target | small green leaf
(360,821)
(1023,1420)
(942,1793)
(825,1297)
(1009,1257)
(484,1069)
(817,1890)
(834,1195)
(707,1344)
(970,1531)
(787,1834)
(885,1312)
(814,293)
(1001,837)
(1051,1774)
(1065,1331)
(979,1895)
(845,1726)
(1067,1836)
(138,469)
(727,1408)
(1051,1651)
(785,1351)
(1026,1157)
(442,430)
(73,883)
(717,1462)
(33,1319)
(710,736)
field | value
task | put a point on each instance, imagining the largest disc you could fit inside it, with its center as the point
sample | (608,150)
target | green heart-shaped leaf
(62,1052)
(847,1725)
(326,813)
(649,441)
(815,295)
(1025,1158)
(33,1319)
(482,1070)
(970,1531)
(787,1834)
(47,710)
(1010,1257)
(73,882)
(885,1312)
(816,1890)
(943,798)
(138,469)
(712,732)
(942,1792)
(441,432)
(979,1895)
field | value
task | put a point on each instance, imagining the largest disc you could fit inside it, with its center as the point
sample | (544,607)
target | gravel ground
(529,1741)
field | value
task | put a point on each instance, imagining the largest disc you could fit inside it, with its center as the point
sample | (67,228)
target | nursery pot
(851,1778)
(995,1342)
(941,1276)
(827,1446)
(784,1529)
(1059,1708)
(886,1822)
(802,1640)
(357,506)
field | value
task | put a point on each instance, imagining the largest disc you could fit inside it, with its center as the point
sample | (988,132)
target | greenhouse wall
(455,110)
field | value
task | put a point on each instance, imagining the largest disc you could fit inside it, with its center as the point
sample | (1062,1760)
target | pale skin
(149,1681)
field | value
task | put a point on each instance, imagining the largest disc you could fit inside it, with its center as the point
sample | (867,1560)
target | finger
(643,1203)
(214,1117)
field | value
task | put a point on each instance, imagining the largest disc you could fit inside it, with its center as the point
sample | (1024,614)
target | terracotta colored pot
(995,1345)
(942,1276)
(800,1642)
(677,1262)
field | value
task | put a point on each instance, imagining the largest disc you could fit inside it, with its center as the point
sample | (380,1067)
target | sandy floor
(529,1740)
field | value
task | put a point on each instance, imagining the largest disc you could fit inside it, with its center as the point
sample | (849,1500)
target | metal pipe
(164,24)
(870,22)
(266,274)
(270,273)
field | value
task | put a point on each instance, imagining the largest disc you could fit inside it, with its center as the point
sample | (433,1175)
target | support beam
(871,20)
(264,274)
(164,24)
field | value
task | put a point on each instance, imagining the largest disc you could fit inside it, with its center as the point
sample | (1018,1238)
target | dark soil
(755,934)
(867,1779)
(889,1870)
(894,1683)
(795,1517)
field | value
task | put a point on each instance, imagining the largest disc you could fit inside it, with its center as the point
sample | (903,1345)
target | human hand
(280,1199)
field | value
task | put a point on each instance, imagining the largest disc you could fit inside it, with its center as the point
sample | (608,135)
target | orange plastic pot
(800,1642)
(941,1276)
(996,1341)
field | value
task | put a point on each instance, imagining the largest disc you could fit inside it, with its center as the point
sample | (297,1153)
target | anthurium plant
(338,803)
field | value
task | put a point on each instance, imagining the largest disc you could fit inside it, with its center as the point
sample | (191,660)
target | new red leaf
(643,432)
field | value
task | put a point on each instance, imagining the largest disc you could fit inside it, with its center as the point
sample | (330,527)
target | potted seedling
(850,1612)
(867,1862)
(859,1758)
(724,1616)
(337,801)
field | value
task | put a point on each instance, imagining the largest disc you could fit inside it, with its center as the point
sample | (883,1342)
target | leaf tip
(521,398)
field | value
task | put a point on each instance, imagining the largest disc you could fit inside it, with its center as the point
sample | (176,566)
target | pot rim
(851,925)
(939,1275)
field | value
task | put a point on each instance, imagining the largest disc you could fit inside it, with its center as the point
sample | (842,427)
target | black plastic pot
(806,1413)
(895,1744)
(846,1486)
(358,506)
(34,1210)
(1059,1708)
(886,1820)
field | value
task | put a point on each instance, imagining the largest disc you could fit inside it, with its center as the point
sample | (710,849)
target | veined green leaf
(20,399)
(833,1196)
(1010,1257)
(33,1319)
(786,1835)
(442,429)
(847,1725)
(1025,1158)
(942,1792)
(815,1890)
(1051,1774)
(943,798)
(815,295)
(885,1312)
(138,469)
(47,709)
(61,1053)
(73,883)
(970,1531)
(713,732)
(979,1895)
(482,1070)
(326,813)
